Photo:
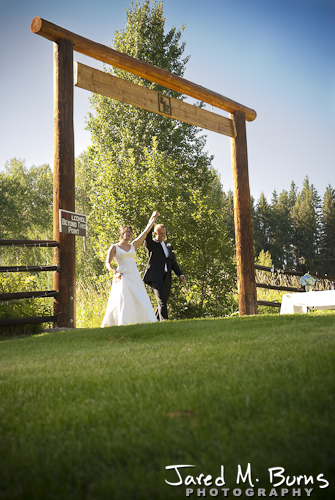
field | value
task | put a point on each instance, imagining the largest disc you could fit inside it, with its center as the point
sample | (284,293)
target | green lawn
(99,414)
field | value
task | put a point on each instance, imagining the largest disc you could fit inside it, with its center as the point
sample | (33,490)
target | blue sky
(277,57)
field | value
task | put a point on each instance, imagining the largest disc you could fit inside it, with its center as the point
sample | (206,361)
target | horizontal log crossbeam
(137,67)
(108,85)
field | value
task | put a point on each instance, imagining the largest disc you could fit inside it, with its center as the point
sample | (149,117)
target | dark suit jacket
(155,268)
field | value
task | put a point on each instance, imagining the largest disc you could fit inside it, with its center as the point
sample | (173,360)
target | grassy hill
(99,414)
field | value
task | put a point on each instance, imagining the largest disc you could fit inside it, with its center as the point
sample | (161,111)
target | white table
(303,302)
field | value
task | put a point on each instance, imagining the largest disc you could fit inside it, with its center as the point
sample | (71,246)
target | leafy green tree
(25,201)
(26,210)
(88,264)
(264,259)
(228,203)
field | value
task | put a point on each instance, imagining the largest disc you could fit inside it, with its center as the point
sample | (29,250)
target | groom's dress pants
(162,293)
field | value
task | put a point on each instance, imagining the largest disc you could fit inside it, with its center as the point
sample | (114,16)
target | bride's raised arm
(139,240)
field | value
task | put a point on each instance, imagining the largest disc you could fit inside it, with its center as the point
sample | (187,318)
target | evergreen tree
(261,225)
(281,236)
(292,195)
(305,219)
(327,243)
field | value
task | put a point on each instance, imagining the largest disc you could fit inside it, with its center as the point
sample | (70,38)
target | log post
(64,184)
(247,296)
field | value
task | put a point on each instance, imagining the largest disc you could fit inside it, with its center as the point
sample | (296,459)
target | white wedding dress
(128,301)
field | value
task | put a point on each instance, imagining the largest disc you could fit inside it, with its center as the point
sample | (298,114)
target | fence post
(64,183)
(247,295)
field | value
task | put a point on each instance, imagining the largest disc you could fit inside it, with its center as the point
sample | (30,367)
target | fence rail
(269,304)
(279,287)
(22,269)
(293,273)
(27,321)
(28,243)
(26,295)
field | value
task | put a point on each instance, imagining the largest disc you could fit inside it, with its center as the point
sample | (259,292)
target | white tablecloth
(302,302)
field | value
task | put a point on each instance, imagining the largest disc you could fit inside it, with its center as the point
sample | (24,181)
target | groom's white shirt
(166,251)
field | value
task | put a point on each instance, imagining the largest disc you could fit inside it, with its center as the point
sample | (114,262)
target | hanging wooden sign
(72,223)
(111,86)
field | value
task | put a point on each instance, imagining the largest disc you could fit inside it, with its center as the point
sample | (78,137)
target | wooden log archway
(65,42)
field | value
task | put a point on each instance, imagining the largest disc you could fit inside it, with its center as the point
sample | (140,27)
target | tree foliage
(25,201)
(327,236)
(305,222)
(88,264)
(262,225)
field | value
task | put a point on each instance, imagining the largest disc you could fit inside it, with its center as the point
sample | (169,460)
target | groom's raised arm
(148,241)
(147,231)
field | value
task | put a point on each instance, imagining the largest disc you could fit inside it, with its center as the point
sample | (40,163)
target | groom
(157,273)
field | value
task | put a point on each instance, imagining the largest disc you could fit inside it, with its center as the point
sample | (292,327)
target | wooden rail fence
(27,294)
(285,288)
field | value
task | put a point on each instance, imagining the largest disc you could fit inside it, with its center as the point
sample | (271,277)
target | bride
(128,301)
